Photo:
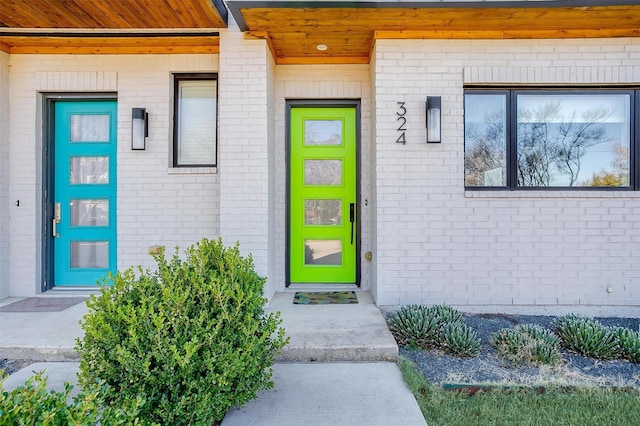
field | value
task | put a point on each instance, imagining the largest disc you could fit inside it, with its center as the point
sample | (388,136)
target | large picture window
(517,139)
(195,120)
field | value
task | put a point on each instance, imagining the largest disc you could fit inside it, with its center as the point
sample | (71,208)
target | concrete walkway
(357,384)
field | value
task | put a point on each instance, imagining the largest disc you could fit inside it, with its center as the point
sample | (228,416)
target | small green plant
(445,313)
(33,404)
(629,341)
(192,338)
(588,337)
(415,325)
(423,327)
(528,343)
(457,338)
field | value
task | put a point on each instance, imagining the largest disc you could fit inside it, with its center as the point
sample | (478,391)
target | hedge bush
(415,325)
(191,338)
(588,337)
(457,338)
(437,326)
(528,343)
(32,404)
(629,341)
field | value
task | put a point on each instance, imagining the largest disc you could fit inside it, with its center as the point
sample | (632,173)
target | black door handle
(352,217)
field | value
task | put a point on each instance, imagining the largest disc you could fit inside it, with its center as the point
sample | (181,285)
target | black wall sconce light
(139,128)
(434,123)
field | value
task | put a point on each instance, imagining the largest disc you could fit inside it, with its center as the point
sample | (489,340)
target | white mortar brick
(558,248)
(156,205)
(5,203)
(244,125)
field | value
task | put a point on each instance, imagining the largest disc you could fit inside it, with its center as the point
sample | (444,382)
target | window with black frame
(195,120)
(519,139)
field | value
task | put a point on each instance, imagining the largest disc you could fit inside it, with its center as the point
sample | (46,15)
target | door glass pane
(323,172)
(89,128)
(322,212)
(89,254)
(89,212)
(580,140)
(323,132)
(323,252)
(93,170)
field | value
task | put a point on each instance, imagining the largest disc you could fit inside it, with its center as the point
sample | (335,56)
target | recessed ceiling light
(321,47)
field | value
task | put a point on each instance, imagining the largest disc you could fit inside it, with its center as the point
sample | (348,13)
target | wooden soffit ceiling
(294,30)
(111,26)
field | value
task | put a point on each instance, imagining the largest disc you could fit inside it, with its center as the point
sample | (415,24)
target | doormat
(325,298)
(42,304)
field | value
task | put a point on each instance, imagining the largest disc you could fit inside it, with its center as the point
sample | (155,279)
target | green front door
(84,210)
(323,211)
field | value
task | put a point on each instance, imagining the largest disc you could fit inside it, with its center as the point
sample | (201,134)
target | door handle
(56,220)
(352,218)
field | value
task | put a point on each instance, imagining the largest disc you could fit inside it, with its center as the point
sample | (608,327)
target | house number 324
(402,111)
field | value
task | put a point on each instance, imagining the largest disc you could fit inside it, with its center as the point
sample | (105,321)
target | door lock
(56,220)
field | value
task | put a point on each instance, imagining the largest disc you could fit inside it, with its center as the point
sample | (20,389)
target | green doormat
(325,298)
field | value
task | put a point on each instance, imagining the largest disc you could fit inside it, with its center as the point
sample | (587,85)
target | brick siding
(492,250)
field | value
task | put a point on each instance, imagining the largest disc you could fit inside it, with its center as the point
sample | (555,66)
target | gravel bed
(10,366)
(488,368)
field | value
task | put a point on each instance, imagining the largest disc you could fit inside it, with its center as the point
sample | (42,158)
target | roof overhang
(295,29)
(107,26)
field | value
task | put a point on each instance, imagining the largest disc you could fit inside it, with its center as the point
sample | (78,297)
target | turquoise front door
(84,193)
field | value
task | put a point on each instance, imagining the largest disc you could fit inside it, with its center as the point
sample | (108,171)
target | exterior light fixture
(321,47)
(434,123)
(139,128)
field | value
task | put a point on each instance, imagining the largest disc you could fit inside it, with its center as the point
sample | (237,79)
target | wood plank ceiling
(294,30)
(111,26)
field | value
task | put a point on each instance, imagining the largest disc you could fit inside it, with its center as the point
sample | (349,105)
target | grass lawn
(580,407)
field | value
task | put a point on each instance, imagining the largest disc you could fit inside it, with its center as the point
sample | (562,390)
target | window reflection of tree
(314,138)
(618,176)
(89,212)
(323,212)
(89,170)
(551,144)
(89,128)
(486,150)
(323,172)
(323,132)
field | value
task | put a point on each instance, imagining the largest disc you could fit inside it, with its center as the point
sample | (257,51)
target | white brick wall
(244,151)
(5,204)
(503,251)
(157,205)
(274,258)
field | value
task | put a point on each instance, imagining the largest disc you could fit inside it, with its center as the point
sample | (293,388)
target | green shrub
(32,404)
(587,337)
(192,338)
(457,338)
(629,341)
(415,325)
(528,343)
(445,314)
(424,327)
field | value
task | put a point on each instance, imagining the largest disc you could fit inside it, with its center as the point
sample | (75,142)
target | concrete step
(325,333)
(40,336)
